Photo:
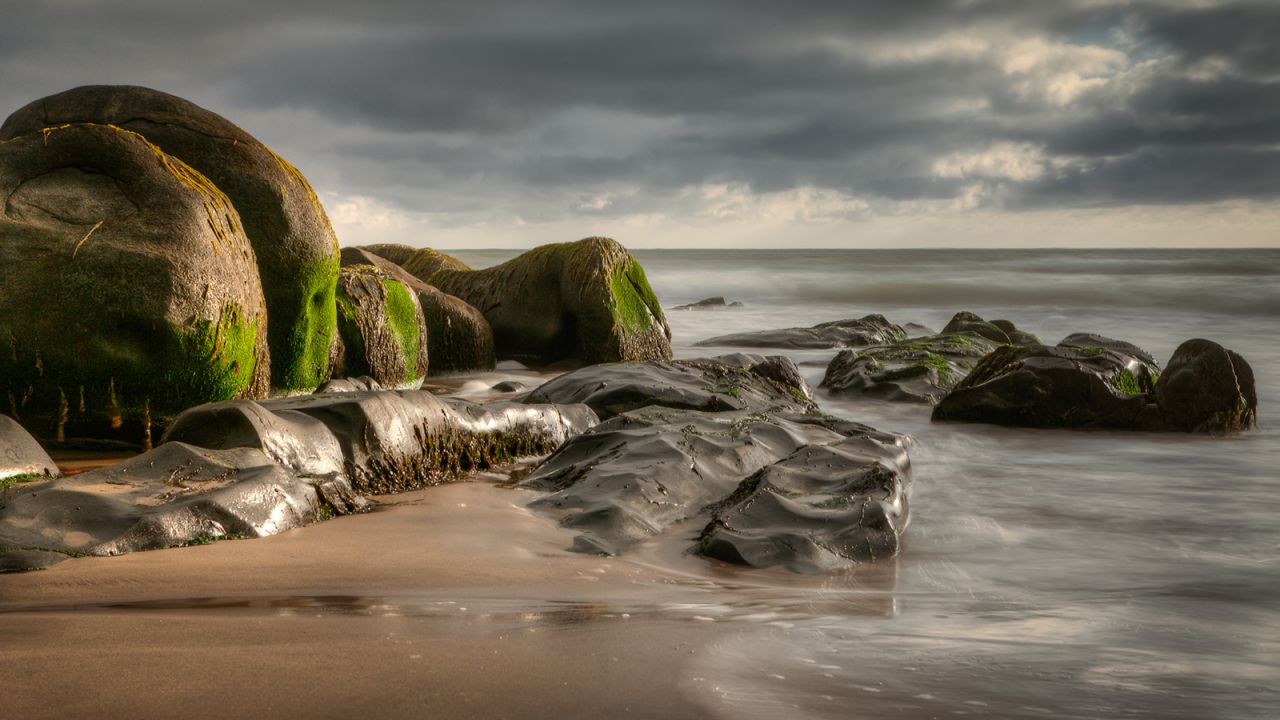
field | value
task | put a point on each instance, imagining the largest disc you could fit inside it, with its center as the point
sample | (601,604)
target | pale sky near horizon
(842,123)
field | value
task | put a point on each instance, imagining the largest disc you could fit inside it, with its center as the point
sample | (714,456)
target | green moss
(208,539)
(724,386)
(210,361)
(7,482)
(635,306)
(303,318)
(1125,382)
(402,315)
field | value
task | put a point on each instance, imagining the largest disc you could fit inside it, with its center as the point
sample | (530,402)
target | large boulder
(920,369)
(1084,381)
(854,332)
(130,291)
(1206,387)
(21,457)
(681,458)
(297,252)
(382,328)
(459,339)
(585,301)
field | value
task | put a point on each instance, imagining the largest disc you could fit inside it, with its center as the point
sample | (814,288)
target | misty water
(1044,573)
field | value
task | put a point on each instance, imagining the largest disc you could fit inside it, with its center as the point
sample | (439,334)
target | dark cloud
(449,107)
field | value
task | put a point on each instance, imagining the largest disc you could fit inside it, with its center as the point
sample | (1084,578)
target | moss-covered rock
(921,369)
(130,291)
(382,328)
(297,252)
(586,301)
(1084,381)
(459,339)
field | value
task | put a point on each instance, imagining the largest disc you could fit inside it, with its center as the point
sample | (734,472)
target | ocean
(1044,573)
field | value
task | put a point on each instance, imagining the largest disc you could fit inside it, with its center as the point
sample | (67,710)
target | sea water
(1045,573)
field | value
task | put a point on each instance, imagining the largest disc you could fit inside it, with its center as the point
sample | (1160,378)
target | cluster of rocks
(869,330)
(922,368)
(244,468)
(1090,381)
(193,264)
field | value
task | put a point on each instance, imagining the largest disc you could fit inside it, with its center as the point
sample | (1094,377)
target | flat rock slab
(711,303)
(730,382)
(249,469)
(854,332)
(683,458)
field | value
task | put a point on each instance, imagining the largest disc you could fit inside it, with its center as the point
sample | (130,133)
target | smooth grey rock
(854,332)
(20,454)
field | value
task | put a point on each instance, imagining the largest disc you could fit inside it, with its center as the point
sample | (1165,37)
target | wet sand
(417,608)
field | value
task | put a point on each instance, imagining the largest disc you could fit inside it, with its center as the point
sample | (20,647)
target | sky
(710,123)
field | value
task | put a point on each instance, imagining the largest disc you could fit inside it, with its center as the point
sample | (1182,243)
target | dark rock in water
(585,301)
(711,303)
(459,339)
(129,289)
(729,382)
(1084,381)
(295,247)
(21,457)
(676,449)
(1207,388)
(816,509)
(869,330)
(174,495)
(920,369)
(382,327)
(998,331)
(508,386)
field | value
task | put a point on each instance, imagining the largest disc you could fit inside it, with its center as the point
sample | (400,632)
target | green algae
(635,306)
(302,327)
(402,316)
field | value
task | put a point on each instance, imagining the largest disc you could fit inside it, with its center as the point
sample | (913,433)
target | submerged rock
(295,247)
(21,457)
(1093,381)
(382,327)
(129,289)
(868,330)
(458,337)
(711,303)
(1207,388)
(920,369)
(586,301)
(673,450)
(251,469)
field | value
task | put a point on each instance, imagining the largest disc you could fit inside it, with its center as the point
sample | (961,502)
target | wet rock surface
(673,451)
(292,240)
(854,332)
(1093,381)
(107,239)
(711,303)
(250,469)
(924,368)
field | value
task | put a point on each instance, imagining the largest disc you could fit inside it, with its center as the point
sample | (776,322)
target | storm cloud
(511,114)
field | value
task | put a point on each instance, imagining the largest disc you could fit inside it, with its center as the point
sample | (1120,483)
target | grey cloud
(449,107)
